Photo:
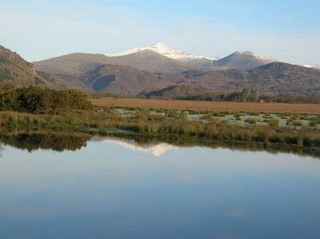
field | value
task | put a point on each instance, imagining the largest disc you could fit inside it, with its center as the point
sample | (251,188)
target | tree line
(253,96)
(34,99)
(246,95)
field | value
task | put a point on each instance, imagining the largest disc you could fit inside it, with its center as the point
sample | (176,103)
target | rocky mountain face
(16,72)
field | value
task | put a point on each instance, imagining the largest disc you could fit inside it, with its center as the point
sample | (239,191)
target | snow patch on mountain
(250,53)
(164,50)
(311,67)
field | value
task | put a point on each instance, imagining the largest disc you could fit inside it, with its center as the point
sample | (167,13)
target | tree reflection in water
(36,141)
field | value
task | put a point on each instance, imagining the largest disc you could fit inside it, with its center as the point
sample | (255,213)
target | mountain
(17,72)
(238,60)
(164,50)
(272,78)
(148,60)
(78,63)
(285,78)
(243,61)
(72,64)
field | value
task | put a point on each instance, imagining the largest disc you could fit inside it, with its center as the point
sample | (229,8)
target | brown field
(211,106)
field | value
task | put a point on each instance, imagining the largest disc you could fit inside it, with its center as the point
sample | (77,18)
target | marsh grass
(103,121)
(273,123)
(297,123)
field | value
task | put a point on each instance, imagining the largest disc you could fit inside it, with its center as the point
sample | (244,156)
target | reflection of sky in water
(108,191)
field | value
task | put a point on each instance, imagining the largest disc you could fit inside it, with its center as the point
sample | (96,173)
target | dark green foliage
(184,92)
(244,96)
(36,100)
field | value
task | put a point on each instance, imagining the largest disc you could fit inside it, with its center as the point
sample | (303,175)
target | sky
(288,30)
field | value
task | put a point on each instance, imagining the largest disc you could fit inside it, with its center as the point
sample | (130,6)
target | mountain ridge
(156,58)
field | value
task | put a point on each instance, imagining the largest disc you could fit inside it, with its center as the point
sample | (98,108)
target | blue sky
(40,29)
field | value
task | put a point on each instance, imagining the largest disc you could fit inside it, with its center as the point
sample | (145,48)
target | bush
(251,120)
(36,100)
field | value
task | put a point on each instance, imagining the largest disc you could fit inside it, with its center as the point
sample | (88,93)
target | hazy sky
(288,30)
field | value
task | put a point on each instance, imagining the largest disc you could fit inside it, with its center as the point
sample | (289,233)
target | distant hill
(243,61)
(72,65)
(285,78)
(272,78)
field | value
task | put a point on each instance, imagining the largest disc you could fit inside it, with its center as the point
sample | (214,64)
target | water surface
(115,188)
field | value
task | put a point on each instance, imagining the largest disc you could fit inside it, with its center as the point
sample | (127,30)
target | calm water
(117,189)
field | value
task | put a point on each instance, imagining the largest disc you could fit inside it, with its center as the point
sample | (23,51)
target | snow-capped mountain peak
(164,50)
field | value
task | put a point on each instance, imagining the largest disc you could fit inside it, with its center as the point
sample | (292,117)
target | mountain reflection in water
(155,149)
(152,145)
